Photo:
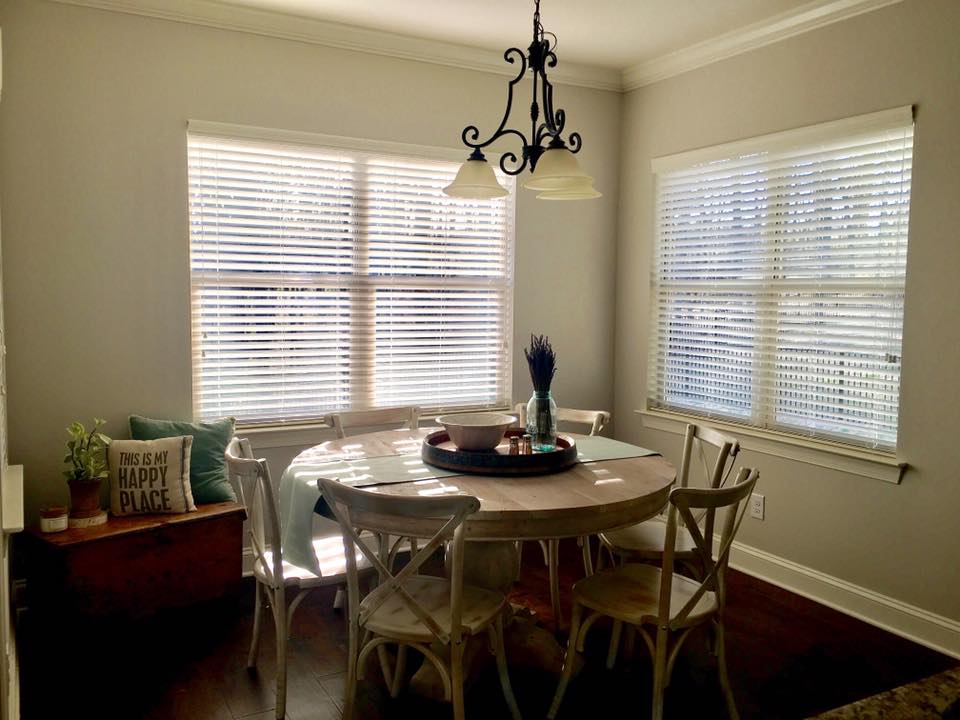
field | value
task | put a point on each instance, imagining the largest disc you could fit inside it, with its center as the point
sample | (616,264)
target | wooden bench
(136,565)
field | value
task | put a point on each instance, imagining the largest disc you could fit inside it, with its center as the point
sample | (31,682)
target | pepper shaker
(514,445)
(527,448)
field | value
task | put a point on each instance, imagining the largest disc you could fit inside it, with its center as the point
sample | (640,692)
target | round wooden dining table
(587,498)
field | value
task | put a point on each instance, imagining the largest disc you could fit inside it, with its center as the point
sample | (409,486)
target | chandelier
(556,174)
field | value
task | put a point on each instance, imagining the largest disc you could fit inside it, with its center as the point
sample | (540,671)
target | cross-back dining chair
(405,416)
(597,420)
(672,605)
(278,581)
(408,417)
(408,609)
(644,542)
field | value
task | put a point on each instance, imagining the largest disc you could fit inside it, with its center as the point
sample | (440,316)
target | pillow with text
(150,476)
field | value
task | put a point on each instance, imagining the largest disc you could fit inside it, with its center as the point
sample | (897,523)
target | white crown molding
(211,13)
(807,17)
(214,14)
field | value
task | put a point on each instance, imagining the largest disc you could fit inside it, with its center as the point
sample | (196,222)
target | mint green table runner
(594,448)
(299,493)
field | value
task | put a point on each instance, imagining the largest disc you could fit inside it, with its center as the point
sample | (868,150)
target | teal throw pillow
(208,468)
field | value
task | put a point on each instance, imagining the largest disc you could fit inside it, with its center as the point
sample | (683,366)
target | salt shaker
(514,445)
(527,448)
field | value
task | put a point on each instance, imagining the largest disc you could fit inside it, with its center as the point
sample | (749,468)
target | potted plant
(86,456)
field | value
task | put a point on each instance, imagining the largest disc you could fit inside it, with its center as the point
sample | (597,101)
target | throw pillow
(208,468)
(150,476)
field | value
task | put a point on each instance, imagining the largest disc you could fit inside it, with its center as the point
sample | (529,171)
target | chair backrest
(406,416)
(596,419)
(734,501)
(698,440)
(383,515)
(252,478)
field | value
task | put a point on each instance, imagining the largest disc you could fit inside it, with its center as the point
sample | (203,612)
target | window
(778,280)
(329,277)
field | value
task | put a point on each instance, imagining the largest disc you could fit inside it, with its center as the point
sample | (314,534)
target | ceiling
(614,34)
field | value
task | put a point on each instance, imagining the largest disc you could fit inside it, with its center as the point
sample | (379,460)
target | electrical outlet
(757,503)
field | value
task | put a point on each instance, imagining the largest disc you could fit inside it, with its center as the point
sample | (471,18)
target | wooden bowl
(476,431)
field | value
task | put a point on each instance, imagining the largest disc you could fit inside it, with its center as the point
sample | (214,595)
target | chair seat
(330,557)
(647,539)
(395,619)
(631,593)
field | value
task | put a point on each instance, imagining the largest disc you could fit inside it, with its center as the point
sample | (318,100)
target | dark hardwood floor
(789,658)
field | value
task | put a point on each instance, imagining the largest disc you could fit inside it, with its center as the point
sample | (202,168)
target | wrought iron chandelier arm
(518,164)
(553,125)
(471,133)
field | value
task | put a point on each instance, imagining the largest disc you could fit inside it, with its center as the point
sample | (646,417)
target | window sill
(279,436)
(865,463)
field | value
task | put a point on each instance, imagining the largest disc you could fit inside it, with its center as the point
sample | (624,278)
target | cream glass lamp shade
(475,180)
(557,169)
(582,190)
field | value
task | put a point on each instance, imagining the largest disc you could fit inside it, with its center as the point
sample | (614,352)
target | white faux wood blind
(778,280)
(326,278)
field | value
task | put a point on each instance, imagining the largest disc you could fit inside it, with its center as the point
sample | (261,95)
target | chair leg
(553,562)
(601,558)
(722,669)
(519,545)
(294,604)
(496,638)
(353,651)
(587,559)
(257,616)
(614,643)
(545,549)
(280,624)
(630,642)
(456,678)
(384,658)
(659,672)
(399,670)
(569,660)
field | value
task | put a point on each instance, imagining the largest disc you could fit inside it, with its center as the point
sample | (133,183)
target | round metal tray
(438,450)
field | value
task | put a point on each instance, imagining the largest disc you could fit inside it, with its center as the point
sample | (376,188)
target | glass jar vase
(542,421)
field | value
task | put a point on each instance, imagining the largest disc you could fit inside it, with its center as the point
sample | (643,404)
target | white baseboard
(909,621)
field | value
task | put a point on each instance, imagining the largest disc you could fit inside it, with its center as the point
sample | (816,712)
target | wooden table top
(584,499)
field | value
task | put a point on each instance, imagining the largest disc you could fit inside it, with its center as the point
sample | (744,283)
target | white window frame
(282,433)
(824,452)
